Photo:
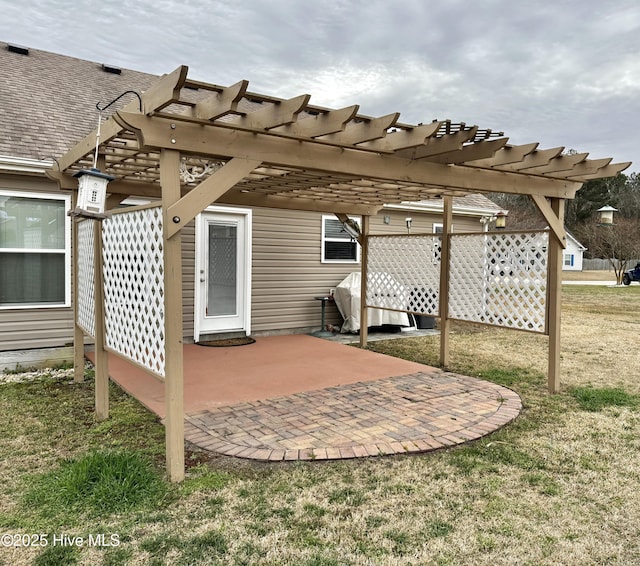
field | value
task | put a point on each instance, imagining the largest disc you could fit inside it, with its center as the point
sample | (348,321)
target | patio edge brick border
(407,414)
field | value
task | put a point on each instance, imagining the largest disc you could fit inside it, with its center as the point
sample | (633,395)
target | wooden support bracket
(207,192)
(556,226)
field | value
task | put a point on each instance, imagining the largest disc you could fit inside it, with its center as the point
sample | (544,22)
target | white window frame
(67,249)
(569,259)
(437,248)
(324,239)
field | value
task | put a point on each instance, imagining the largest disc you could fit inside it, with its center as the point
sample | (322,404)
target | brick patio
(406,414)
(303,398)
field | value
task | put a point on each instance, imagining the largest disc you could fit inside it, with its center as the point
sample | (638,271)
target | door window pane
(222,271)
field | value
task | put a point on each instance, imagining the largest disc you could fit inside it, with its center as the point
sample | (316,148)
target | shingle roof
(48,101)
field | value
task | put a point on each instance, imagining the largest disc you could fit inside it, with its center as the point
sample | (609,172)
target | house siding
(287,268)
(572,249)
(287,273)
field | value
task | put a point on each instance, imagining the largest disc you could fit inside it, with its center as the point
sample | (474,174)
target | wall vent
(17,49)
(111,69)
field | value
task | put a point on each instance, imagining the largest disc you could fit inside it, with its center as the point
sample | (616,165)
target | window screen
(337,244)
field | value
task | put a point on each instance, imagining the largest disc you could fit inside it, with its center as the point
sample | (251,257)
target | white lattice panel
(86,313)
(404,273)
(134,286)
(499,279)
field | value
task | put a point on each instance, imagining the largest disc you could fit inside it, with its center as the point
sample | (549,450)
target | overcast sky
(561,72)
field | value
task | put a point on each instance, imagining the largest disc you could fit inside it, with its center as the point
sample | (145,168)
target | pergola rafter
(262,151)
(296,137)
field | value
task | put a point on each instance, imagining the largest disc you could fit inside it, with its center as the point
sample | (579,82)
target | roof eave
(24,165)
(437,206)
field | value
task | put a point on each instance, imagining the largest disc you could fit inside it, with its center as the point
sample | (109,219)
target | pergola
(191,144)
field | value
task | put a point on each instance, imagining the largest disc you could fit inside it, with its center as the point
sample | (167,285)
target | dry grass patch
(589,275)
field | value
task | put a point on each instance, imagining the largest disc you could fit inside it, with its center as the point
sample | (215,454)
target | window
(34,250)
(337,245)
(568,260)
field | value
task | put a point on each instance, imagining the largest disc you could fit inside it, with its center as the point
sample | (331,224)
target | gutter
(437,207)
(24,165)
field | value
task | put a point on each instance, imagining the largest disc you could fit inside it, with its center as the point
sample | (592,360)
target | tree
(523,214)
(618,243)
(628,199)
(593,195)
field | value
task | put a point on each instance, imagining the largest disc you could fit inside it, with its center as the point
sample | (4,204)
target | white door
(223,271)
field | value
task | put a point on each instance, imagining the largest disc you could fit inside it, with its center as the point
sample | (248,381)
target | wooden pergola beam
(508,154)
(274,115)
(471,152)
(534,159)
(305,154)
(404,139)
(165,92)
(608,171)
(365,131)
(239,198)
(321,125)
(440,145)
(160,95)
(590,166)
(560,163)
(221,103)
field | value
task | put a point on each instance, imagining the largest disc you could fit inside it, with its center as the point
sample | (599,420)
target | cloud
(562,72)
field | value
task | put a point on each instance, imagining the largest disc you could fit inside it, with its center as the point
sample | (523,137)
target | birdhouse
(501,220)
(92,191)
(606,215)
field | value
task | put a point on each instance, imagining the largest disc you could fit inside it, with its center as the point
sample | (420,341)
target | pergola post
(174,378)
(364,252)
(78,333)
(555,298)
(445,323)
(101,356)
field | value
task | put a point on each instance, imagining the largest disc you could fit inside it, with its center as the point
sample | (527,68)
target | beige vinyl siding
(35,328)
(188,278)
(288,272)
(287,268)
(39,327)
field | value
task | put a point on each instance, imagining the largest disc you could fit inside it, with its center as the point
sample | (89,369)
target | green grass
(596,399)
(58,556)
(96,484)
(556,486)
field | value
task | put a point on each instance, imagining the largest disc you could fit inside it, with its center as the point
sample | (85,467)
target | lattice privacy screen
(86,313)
(404,273)
(499,279)
(133,264)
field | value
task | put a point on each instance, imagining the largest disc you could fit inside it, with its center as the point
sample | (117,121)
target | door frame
(200,247)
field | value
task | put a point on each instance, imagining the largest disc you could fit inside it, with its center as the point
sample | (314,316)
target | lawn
(560,485)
